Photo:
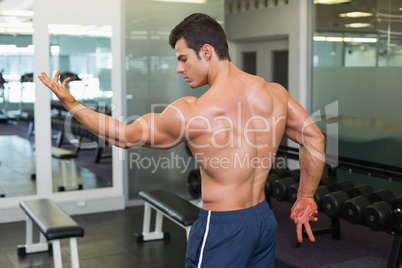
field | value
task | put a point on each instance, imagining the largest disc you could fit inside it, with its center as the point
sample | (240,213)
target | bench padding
(62,153)
(51,220)
(172,205)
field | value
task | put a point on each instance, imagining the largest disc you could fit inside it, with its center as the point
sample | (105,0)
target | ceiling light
(345,39)
(356,14)
(17,13)
(331,2)
(357,25)
(364,40)
(334,39)
(80,30)
(320,38)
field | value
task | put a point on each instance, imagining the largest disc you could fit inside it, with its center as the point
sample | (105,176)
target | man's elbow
(321,137)
(319,140)
(314,139)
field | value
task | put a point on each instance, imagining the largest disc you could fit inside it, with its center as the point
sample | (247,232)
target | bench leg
(157,234)
(147,219)
(64,173)
(73,175)
(31,247)
(74,253)
(70,180)
(57,254)
(158,222)
(28,230)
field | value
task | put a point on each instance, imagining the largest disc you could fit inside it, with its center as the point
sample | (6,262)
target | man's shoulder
(187,100)
(183,105)
(260,82)
(277,89)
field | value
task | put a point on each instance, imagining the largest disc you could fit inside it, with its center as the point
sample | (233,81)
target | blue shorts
(240,238)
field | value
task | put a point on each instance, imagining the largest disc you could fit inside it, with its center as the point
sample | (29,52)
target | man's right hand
(60,90)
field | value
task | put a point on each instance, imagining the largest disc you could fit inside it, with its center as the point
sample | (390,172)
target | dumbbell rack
(390,173)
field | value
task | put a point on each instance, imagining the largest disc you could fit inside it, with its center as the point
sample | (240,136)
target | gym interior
(340,59)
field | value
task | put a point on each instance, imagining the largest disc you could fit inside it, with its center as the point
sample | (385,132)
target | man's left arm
(155,130)
(301,129)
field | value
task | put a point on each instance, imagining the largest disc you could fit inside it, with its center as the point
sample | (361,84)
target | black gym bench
(167,204)
(69,181)
(53,224)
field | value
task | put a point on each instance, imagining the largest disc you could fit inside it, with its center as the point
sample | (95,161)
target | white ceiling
(327,17)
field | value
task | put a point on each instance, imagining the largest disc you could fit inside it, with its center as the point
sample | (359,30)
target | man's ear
(207,51)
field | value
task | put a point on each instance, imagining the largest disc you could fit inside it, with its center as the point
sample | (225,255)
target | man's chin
(195,85)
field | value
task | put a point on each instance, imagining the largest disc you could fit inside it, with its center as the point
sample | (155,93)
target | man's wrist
(305,196)
(75,108)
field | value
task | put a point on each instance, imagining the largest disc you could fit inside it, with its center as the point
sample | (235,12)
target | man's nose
(179,69)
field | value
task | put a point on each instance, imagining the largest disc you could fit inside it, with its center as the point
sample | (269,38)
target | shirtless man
(233,131)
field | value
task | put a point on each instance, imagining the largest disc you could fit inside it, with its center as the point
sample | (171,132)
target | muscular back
(234,131)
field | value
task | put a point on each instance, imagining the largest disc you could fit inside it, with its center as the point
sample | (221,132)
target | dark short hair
(199,29)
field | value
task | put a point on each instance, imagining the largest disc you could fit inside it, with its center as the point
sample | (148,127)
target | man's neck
(220,71)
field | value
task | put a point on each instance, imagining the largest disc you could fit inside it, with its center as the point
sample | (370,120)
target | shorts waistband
(235,215)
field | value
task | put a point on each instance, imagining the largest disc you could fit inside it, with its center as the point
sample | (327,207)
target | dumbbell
(285,172)
(321,190)
(382,195)
(280,186)
(292,192)
(295,174)
(361,196)
(268,184)
(332,203)
(382,215)
(327,181)
(365,190)
(194,183)
(319,194)
(345,186)
(280,171)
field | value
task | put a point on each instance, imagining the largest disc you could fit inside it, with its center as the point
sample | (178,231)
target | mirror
(80,160)
(17,96)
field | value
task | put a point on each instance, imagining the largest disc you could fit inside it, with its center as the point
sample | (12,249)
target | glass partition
(358,66)
(83,53)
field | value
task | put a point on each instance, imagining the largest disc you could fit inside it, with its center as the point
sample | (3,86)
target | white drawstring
(205,240)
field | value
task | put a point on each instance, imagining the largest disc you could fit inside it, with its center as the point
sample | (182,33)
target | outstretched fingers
(64,83)
(56,77)
(300,221)
(45,80)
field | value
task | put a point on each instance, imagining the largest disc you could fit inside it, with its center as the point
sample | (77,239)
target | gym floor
(109,241)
